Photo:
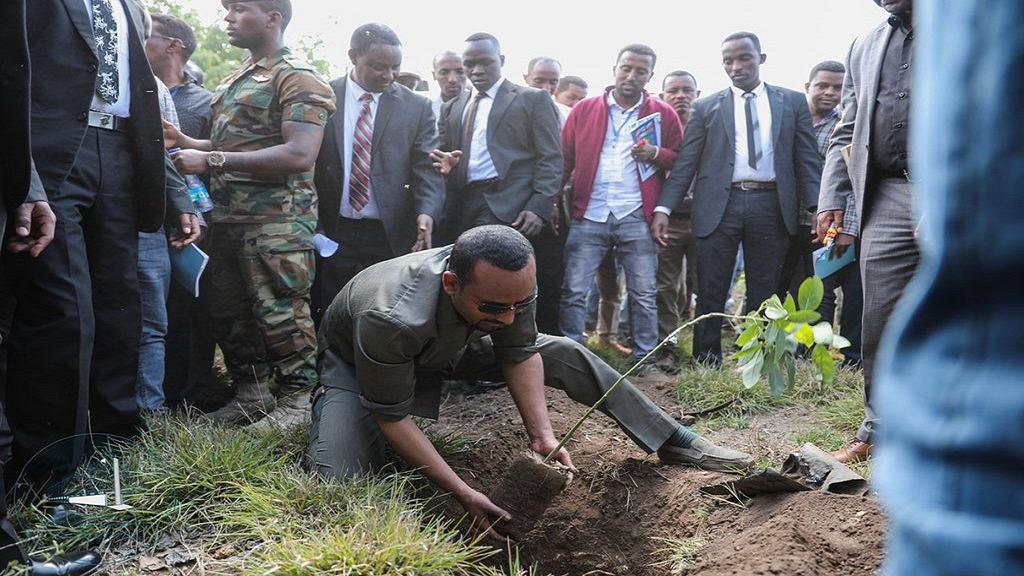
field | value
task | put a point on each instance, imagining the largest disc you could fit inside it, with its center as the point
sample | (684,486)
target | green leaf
(781,346)
(791,373)
(789,304)
(775,312)
(804,335)
(811,292)
(748,336)
(838,342)
(747,352)
(752,370)
(776,380)
(823,334)
(823,361)
(805,316)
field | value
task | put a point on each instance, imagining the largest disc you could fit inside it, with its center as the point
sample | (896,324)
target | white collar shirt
(765,171)
(481,166)
(353,108)
(616,188)
(122,106)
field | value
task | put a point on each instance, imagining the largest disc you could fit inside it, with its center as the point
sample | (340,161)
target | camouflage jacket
(248,110)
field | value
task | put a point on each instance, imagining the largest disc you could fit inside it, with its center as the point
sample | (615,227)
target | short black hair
(542,59)
(741,35)
(641,49)
(678,73)
(498,245)
(826,66)
(177,28)
(484,37)
(565,81)
(282,6)
(445,54)
(373,33)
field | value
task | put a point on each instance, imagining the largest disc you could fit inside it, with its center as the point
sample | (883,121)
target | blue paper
(187,267)
(826,265)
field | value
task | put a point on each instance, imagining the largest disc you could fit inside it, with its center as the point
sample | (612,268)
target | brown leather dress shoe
(856,451)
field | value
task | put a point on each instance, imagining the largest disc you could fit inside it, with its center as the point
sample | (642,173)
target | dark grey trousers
(888,259)
(345,439)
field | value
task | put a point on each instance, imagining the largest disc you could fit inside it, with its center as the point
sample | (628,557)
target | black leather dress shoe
(71,564)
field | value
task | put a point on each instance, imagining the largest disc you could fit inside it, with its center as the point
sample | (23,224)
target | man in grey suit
(508,140)
(379,193)
(870,194)
(752,150)
(400,323)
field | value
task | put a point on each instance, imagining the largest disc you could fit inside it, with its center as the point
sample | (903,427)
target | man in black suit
(379,194)
(752,151)
(500,146)
(98,149)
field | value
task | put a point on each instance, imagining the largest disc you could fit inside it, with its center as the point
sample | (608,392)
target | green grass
(247,488)
(824,438)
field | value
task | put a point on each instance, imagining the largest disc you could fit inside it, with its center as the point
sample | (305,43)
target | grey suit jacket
(708,155)
(403,179)
(523,138)
(842,185)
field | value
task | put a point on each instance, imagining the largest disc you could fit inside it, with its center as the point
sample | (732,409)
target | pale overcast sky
(586,36)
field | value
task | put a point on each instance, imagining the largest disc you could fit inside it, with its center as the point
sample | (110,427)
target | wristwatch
(216,159)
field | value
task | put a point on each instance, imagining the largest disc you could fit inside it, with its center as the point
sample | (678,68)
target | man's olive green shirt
(394,321)
(249,109)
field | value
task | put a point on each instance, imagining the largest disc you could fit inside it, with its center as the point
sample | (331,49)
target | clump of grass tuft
(678,554)
(248,488)
(824,438)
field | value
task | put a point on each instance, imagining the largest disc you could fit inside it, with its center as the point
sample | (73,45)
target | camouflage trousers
(258,282)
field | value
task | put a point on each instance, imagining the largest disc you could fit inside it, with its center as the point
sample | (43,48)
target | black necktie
(753,131)
(467,133)
(104,31)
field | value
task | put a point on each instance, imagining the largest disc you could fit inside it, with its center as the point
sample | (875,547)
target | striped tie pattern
(359,179)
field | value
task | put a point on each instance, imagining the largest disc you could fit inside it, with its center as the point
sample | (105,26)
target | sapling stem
(568,436)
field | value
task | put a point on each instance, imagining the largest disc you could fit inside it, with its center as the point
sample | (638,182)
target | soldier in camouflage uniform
(268,123)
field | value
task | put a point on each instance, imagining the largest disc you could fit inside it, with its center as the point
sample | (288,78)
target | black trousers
(799,264)
(361,244)
(754,218)
(73,347)
(847,278)
(469,210)
(190,346)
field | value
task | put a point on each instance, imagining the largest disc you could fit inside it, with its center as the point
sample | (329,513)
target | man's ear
(450,282)
(501,58)
(764,58)
(352,56)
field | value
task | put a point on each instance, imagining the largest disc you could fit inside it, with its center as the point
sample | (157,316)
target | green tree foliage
(215,55)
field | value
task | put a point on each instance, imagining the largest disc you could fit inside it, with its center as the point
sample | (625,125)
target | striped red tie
(359,179)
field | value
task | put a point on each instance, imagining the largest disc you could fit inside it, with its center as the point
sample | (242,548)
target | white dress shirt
(122,107)
(481,167)
(563,111)
(353,107)
(617,184)
(766,166)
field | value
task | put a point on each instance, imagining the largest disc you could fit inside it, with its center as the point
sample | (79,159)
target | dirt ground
(626,514)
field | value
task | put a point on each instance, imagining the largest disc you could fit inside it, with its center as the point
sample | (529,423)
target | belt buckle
(743,185)
(101,120)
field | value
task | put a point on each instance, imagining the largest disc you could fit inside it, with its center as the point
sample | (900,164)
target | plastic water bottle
(196,190)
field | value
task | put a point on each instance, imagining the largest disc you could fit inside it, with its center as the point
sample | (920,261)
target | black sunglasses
(495,309)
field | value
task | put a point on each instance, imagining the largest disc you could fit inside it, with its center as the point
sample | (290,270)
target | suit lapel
(873,66)
(339,124)
(387,104)
(455,120)
(80,18)
(727,110)
(775,102)
(506,94)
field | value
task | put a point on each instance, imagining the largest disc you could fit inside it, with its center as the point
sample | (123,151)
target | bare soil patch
(627,514)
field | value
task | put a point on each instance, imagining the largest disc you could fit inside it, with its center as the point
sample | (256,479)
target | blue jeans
(154,283)
(636,252)
(950,379)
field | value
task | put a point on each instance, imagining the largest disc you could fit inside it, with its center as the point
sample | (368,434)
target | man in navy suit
(752,151)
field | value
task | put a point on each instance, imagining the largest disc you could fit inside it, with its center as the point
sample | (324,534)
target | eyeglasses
(171,38)
(495,309)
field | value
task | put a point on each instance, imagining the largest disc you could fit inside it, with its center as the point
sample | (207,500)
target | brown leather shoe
(856,451)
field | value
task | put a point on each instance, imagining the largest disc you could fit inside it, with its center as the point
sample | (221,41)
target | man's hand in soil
(545,446)
(483,513)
